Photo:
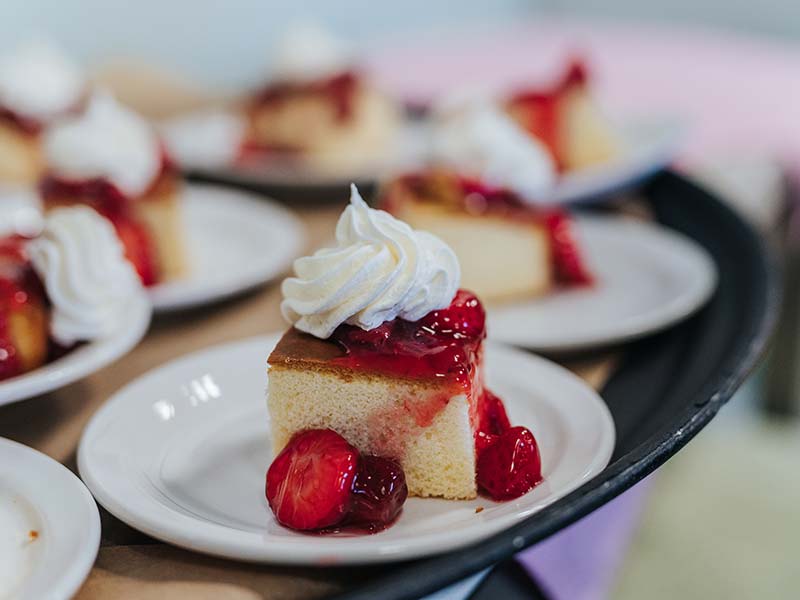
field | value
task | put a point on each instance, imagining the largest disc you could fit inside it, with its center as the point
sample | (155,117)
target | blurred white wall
(227,42)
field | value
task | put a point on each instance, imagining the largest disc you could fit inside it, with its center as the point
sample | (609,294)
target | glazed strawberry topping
(340,90)
(138,247)
(309,483)
(492,421)
(539,110)
(319,482)
(19,286)
(511,466)
(443,344)
(379,492)
(568,264)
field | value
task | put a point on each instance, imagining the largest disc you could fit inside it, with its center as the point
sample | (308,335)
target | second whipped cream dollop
(39,82)
(86,276)
(308,52)
(108,141)
(479,140)
(379,270)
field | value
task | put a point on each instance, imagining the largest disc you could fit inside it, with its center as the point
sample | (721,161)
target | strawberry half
(511,466)
(309,483)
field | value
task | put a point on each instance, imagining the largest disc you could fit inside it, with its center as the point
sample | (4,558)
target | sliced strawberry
(138,247)
(567,261)
(310,481)
(511,466)
(379,492)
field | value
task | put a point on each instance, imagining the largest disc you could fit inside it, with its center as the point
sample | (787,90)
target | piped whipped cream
(379,270)
(479,140)
(108,141)
(90,284)
(308,52)
(209,138)
(38,82)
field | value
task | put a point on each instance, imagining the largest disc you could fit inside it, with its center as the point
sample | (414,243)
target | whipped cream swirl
(89,282)
(37,81)
(380,269)
(308,52)
(108,141)
(481,141)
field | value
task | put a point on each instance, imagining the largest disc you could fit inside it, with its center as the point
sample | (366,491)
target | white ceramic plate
(49,526)
(647,278)
(649,148)
(182,453)
(236,241)
(83,360)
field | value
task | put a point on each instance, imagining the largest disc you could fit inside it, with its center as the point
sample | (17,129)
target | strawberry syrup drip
(542,108)
(340,90)
(19,286)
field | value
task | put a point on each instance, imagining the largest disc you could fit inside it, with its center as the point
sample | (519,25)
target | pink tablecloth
(738,94)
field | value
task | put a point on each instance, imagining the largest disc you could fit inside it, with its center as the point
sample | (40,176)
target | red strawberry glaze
(19,286)
(111,202)
(443,345)
(339,89)
(542,107)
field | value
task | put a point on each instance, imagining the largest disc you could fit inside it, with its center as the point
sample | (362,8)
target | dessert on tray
(38,85)
(319,109)
(480,196)
(377,390)
(111,159)
(70,284)
(566,119)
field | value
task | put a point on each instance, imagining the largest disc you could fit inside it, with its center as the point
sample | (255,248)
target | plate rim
(167,298)
(56,374)
(70,581)
(136,518)
(677,310)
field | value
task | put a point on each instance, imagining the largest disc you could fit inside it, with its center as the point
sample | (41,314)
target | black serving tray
(668,388)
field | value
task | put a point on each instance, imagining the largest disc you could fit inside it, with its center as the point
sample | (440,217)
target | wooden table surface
(131,564)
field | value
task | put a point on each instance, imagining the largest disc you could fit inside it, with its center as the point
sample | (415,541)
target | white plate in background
(647,277)
(181,454)
(49,526)
(236,242)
